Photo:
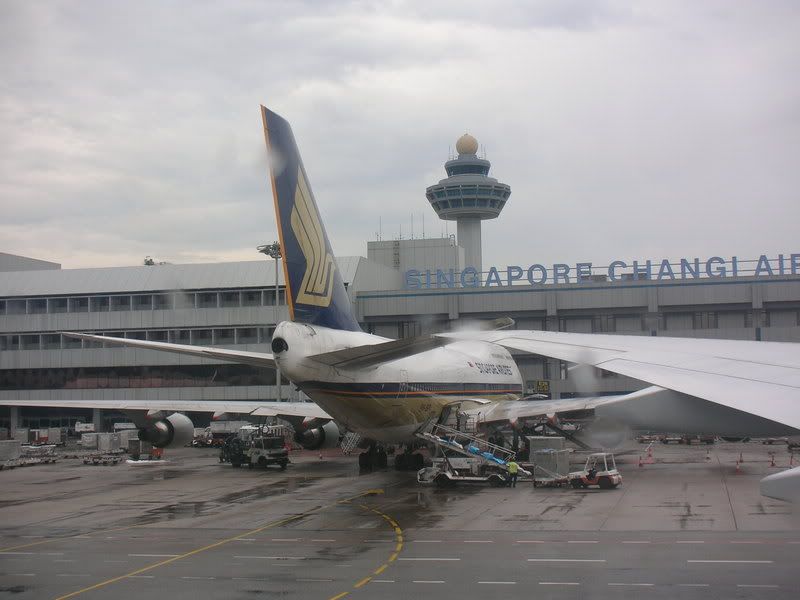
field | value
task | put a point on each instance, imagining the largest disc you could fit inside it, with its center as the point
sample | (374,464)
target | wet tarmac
(689,525)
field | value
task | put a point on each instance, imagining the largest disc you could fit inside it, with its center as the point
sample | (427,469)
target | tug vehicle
(600,470)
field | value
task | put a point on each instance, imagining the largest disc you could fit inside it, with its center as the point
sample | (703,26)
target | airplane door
(403,384)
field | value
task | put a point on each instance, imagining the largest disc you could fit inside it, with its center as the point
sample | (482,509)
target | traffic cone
(650,451)
(640,461)
(708,454)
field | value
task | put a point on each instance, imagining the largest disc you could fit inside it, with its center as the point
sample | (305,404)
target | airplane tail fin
(314,288)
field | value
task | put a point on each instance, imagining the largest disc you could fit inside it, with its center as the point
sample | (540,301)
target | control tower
(467,196)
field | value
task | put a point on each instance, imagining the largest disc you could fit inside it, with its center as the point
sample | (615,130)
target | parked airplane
(388,390)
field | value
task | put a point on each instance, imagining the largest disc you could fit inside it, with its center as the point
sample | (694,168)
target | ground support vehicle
(464,458)
(775,440)
(600,470)
(256,446)
(234,451)
(267,448)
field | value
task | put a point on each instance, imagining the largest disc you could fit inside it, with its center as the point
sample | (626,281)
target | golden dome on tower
(467,144)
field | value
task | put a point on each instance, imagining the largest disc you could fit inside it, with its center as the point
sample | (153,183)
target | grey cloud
(624,129)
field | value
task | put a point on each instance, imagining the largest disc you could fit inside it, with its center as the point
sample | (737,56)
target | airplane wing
(760,378)
(360,357)
(370,355)
(285,410)
(256,359)
(511,411)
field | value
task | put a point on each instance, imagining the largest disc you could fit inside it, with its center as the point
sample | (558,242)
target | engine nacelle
(174,431)
(326,436)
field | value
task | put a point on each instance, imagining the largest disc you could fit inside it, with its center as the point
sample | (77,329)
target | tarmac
(688,525)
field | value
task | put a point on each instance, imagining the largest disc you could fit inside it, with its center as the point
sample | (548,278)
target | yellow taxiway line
(217,544)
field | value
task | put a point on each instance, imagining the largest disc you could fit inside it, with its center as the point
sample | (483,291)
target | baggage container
(126,435)
(139,449)
(543,442)
(108,442)
(550,465)
(10,450)
(54,436)
(89,441)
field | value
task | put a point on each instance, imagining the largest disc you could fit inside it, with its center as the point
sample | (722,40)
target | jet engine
(325,436)
(174,431)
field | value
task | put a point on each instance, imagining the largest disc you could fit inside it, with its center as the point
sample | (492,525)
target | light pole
(273,250)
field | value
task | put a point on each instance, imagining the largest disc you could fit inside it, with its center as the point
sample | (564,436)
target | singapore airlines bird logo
(317,285)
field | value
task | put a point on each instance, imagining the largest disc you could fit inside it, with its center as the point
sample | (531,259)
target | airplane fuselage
(393,400)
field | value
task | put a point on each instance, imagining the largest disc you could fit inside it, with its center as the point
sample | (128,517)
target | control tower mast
(467,196)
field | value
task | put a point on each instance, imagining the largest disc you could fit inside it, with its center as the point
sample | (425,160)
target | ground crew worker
(513,470)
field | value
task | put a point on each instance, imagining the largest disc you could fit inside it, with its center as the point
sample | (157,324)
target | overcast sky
(625,130)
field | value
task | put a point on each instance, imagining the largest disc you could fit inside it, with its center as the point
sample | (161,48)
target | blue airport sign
(617,270)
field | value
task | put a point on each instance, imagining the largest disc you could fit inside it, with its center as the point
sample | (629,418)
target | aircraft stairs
(446,438)
(350,442)
(566,434)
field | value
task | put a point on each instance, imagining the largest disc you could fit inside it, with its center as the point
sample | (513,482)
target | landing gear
(408,461)
(373,457)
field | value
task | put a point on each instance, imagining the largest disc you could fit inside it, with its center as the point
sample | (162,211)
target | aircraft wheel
(418,461)
(365,461)
(443,481)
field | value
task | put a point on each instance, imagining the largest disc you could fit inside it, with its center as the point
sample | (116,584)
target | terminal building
(401,288)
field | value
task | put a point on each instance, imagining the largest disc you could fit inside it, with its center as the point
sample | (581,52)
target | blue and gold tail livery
(315,290)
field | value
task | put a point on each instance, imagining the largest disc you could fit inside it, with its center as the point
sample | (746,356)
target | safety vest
(513,467)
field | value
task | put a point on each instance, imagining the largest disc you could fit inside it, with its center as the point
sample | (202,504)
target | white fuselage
(391,401)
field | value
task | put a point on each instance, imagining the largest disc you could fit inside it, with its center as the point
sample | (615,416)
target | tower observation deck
(468,196)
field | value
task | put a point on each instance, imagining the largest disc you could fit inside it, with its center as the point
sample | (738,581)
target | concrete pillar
(97,419)
(13,420)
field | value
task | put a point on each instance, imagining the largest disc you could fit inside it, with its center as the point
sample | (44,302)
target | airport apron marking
(398,533)
(210,546)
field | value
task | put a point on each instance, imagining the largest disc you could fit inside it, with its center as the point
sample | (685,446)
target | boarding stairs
(350,442)
(446,438)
